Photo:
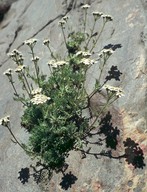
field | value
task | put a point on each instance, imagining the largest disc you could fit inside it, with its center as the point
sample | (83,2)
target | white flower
(11,55)
(39,99)
(65,18)
(15,53)
(97,15)
(117,90)
(36,91)
(46,42)
(20,68)
(107,18)
(8,72)
(62,22)
(51,62)
(59,63)
(35,59)
(83,53)
(105,53)
(87,61)
(30,42)
(56,64)
(5,121)
(86,6)
(20,60)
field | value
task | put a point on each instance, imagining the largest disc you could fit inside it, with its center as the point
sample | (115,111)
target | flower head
(65,18)
(39,99)
(30,42)
(20,68)
(16,56)
(62,22)
(56,64)
(83,53)
(86,6)
(97,14)
(36,91)
(116,90)
(46,42)
(51,62)
(35,59)
(107,18)
(5,121)
(8,72)
(106,53)
(87,61)
(15,53)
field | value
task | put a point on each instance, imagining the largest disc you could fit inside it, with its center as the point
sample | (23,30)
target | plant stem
(9,129)
(85,19)
(27,83)
(36,66)
(101,70)
(15,92)
(12,83)
(90,35)
(98,36)
(51,52)
(23,82)
(64,36)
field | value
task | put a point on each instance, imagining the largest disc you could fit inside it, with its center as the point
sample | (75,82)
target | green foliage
(74,42)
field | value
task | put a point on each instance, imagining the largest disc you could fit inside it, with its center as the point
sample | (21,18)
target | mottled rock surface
(39,19)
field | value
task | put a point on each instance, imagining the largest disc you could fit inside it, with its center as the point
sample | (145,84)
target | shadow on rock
(68,180)
(112,46)
(114,73)
(24,175)
(111,133)
(39,170)
(132,153)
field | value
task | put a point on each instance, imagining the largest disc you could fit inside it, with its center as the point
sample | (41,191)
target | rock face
(39,19)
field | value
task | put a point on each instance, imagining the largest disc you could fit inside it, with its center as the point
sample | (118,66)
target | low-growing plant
(54,104)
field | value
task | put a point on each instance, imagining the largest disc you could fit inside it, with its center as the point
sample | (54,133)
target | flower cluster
(106,53)
(83,53)
(36,91)
(62,22)
(97,14)
(65,18)
(46,42)
(116,90)
(8,72)
(87,61)
(35,59)
(55,64)
(85,7)
(107,18)
(20,68)
(16,56)
(39,99)
(30,42)
(5,121)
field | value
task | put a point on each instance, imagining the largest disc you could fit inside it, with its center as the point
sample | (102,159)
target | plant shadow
(68,180)
(24,175)
(106,135)
(132,153)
